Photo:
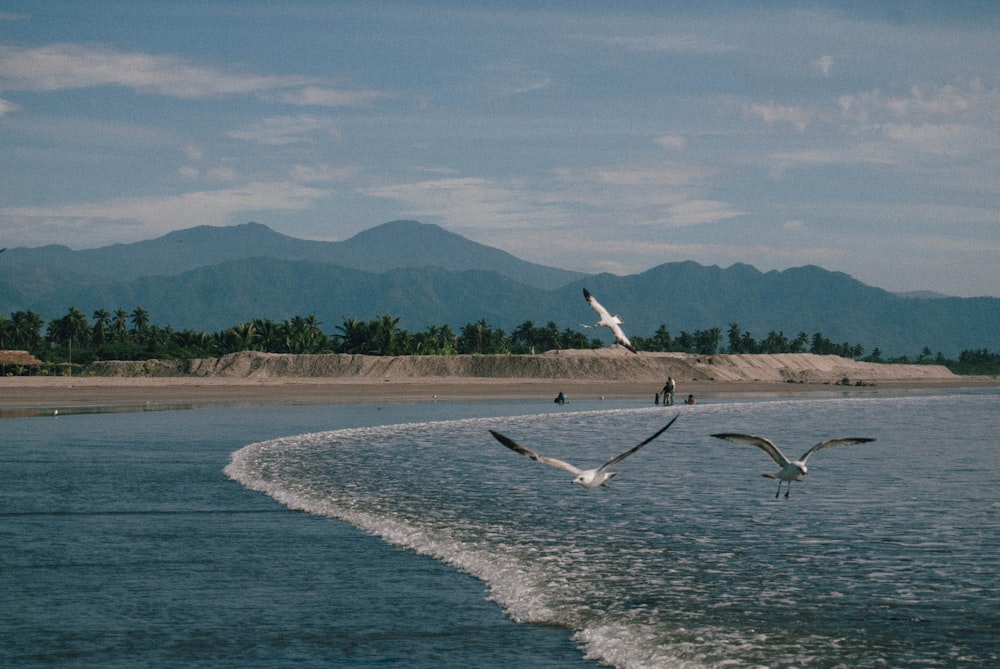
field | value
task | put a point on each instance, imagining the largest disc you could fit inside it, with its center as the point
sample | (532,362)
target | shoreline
(40,396)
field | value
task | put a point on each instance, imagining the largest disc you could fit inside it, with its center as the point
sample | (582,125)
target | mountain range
(211,278)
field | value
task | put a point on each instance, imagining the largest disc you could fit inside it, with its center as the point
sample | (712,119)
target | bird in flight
(791,470)
(608,321)
(590,478)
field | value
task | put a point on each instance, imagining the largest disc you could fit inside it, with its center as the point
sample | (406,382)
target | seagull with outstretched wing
(607,320)
(590,478)
(791,470)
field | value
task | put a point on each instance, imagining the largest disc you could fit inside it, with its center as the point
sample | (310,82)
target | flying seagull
(609,321)
(791,470)
(590,478)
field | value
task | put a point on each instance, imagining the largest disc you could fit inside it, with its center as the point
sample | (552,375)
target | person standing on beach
(668,391)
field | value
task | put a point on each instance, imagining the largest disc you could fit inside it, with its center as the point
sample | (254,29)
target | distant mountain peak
(212,233)
(401,227)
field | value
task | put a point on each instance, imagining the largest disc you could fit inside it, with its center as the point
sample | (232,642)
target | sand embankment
(607,365)
(258,379)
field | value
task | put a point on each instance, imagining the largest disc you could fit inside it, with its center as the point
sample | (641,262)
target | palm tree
(102,319)
(473,337)
(27,326)
(353,337)
(707,341)
(270,335)
(71,327)
(525,335)
(6,331)
(385,335)
(140,320)
(303,335)
(120,326)
(244,336)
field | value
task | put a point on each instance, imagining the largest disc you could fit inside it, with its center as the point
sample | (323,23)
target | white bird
(590,478)
(608,321)
(791,470)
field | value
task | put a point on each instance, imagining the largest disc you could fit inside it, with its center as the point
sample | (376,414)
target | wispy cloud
(966,99)
(673,142)
(823,65)
(316,96)
(112,221)
(666,43)
(281,130)
(951,119)
(6,107)
(798,117)
(511,78)
(56,67)
(640,202)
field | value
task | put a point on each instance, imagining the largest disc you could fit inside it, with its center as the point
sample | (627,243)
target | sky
(862,137)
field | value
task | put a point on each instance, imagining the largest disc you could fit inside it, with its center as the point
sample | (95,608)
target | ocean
(404,535)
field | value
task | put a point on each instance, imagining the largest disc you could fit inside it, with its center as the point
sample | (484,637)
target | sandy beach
(30,396)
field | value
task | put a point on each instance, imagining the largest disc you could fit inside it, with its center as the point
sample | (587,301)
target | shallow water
(122,544)
(128,546)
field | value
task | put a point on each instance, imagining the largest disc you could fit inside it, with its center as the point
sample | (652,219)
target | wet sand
(32,396)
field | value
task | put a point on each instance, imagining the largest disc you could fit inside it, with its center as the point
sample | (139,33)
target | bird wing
(839,441)
(622,456)
(620,336)
(518,448)
(763,444)
(608,320)
(596,306)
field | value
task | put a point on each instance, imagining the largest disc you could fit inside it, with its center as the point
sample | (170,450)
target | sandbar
(45,395)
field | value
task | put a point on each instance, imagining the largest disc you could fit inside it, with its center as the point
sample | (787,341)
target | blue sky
(860,137)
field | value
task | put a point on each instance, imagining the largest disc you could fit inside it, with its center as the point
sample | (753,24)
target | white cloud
(6,106)
(954,119)
(57,67)
(699,212)
(128,219)
(463,201)
(68,66)
(966,100)
(221,174)
(614,204)
(322,173)
(293,129)
(667,43)
(327,97)
(510,78)
(798,117)
(193,152)
(823,65)
(673,142)
(941,139)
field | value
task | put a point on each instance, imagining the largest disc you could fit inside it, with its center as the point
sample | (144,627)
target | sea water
(405,536)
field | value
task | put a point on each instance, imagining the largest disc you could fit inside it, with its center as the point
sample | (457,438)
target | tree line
(129,335)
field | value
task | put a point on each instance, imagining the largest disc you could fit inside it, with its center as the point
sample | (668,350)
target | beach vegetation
(75,341)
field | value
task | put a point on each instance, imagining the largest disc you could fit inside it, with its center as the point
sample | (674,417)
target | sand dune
(610,364)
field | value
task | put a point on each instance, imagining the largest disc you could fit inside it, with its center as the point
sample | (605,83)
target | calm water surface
(178,538)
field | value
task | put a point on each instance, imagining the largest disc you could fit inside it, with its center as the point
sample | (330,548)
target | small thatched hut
(18,362)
